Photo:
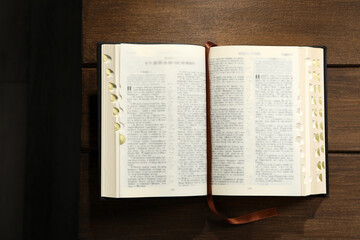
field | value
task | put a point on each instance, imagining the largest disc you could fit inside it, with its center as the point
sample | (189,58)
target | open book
(268,120)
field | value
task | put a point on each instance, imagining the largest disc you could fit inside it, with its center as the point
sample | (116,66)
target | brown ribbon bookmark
(252,217)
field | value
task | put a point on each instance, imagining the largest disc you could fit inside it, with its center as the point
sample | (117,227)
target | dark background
(40,106)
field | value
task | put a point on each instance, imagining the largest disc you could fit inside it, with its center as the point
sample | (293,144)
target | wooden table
(334,24)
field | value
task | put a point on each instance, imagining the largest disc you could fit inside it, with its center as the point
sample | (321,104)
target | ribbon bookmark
(252,217)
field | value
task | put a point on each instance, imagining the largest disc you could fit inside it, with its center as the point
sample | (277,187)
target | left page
(162,114)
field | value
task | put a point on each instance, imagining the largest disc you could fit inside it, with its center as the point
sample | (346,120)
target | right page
(258,100)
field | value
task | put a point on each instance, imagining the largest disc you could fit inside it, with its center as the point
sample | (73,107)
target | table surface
(332,23)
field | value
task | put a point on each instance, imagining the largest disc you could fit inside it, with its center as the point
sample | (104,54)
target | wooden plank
(343,109)
(334,217)
(89,116)
(333,23)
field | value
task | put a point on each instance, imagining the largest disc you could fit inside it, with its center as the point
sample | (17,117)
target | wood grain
(89,116)
(332,23)
(334,217)
(343,109)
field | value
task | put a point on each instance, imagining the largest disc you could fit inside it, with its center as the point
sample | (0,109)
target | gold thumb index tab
(251,217)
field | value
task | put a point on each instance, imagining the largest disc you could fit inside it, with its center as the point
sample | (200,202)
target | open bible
(268,120)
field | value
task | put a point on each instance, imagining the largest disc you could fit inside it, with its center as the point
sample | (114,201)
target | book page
(163,120)
(254,113)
